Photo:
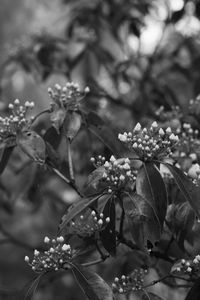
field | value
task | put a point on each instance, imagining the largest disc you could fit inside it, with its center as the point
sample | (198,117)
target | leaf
(150,185)
(93,286)
(95,177)
(143,224)
(72,124)
(76,209)
(57,118)
(194,292)
(52,158)
(103,132)
(151,296)
(52,137)
(33,145)
(108,235)
(189,190)
(5,157)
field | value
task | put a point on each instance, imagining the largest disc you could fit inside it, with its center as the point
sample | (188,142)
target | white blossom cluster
(54,258)
(87,225)
(132,282)
(189,141)
(17,120)
(117,172)
(150,143)
(67,97)
(187,266)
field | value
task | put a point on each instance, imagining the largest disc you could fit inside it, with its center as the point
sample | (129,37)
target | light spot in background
(176,5)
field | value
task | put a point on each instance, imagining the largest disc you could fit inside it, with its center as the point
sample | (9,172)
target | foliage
(133,188)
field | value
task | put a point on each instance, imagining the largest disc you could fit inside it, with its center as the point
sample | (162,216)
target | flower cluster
(67,97)
(189,141)
(150,143)
(17,120)
(116,172)
(53,259)
(89,223)
(187,267)
(132,282)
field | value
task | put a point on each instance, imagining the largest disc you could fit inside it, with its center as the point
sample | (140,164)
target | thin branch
(95,262)
(71,171)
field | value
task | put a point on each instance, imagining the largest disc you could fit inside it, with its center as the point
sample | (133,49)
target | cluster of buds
(172,115)
(194,106)
(150,143)
(53,259)
(67,97)
(89,223)
(133,282)
(189,141)
(17,120)
(187,267)
(116,172)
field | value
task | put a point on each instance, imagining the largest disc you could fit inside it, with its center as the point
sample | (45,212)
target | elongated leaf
(108,236)
(150,185)
(151,296)
(33,145)
(57,118)
(5,157)
(93,286)
(142,221)
(76,209)
(52,137)
(190,192)
(194,293)
(72,125)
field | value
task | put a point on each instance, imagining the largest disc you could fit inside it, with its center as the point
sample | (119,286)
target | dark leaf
(52,157)
(57,118)
(189,190)
(52,137)
(194,292)
(93,286)
(108,235)
(72,124)
(77,208)
(5,157)
(33,145)
(150,185)
(143,224)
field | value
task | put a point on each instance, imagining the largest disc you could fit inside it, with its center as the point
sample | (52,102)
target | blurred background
(134,55)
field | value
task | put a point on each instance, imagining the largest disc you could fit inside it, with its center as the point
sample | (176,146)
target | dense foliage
(108,175)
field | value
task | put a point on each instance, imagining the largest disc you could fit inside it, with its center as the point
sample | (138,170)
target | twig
(95,262)
(71,171)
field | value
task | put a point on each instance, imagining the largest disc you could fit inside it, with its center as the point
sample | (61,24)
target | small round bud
(46,240)
(27,259)
(16,102)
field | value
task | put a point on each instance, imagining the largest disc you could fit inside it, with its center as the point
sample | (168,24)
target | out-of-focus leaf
(190,192)
(194,292)
(72,124)
(150,185)
(108,236)
(52,137)
(57,118)
(143,223)
(77,208)
(5,157)
(33,145)
(103,133)
(93,286)
(95,176)
(151,296)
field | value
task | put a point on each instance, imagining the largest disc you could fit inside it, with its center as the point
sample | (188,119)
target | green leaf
(189,190)
(108,235)
(143,224)
(72,125)
(194,292)
(150,185)
(5,157)
(76,209)
(52,137)
(93,286)
(33,145)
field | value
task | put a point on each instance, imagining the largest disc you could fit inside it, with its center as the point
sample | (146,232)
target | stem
(95,262)
(71,171)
